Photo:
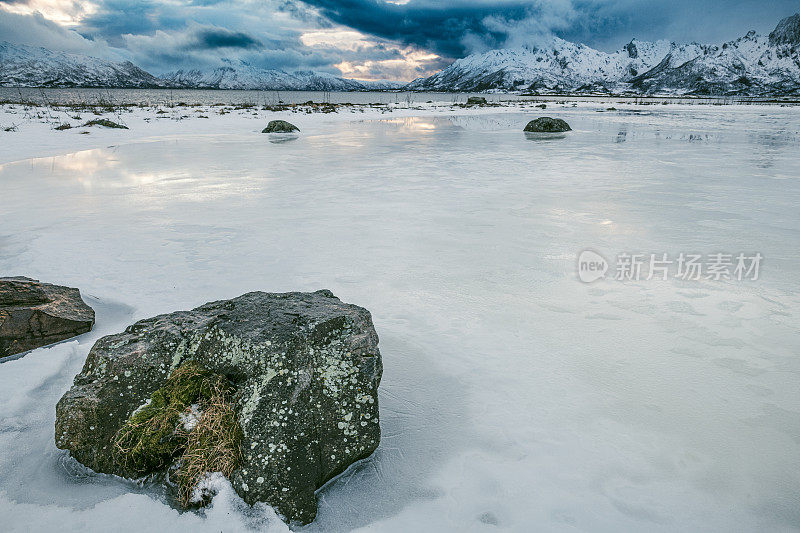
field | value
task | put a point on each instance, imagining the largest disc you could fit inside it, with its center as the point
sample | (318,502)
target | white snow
(191,417)
(514,397)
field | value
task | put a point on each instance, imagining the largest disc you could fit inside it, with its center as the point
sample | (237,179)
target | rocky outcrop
(547,125)
(280,126)
(787,32)
(302,370)
(34,314)
(476,100)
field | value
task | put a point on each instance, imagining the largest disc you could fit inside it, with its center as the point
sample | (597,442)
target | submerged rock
(34,314)
(280,126)
(302,370)
(547,125)
(476,100)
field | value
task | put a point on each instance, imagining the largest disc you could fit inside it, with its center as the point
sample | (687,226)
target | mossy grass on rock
(213,445)
(105,123)
(298,372)
(280,126)
(34,314)
(547,125)
(191,419)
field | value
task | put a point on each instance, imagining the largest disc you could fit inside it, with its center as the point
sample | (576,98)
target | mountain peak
(632,49)
(787,31)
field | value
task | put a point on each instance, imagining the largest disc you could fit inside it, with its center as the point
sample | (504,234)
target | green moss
(155,435)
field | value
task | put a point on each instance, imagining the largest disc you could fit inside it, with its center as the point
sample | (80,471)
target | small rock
(280,126)
(62,127)
(105,123)
(476,100)
(34,314)
(547,125)
(304,369)
(542,106)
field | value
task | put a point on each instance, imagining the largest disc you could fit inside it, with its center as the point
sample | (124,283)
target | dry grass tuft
(155,435)
(212,446)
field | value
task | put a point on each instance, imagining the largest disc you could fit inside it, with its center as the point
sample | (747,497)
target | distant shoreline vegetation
(330,100)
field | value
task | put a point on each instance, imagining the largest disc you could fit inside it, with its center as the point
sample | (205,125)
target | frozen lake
(514,396)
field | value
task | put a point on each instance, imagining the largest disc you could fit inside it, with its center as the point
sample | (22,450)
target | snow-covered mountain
(240,75)
(28,66)
(558,65)
(750,65)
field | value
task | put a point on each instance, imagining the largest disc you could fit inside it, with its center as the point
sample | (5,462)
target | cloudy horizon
(361,39)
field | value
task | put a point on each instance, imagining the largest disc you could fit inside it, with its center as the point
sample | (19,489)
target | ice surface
(514,397)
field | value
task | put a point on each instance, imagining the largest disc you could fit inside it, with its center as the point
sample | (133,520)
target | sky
(362,39)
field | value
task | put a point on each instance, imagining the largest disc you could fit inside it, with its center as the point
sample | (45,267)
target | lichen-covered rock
(476,100)
(34,314)
(547,125)
(280,126)
(304,369)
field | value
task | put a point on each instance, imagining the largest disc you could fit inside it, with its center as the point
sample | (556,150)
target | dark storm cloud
(211,38)
(115,18)
(434,25)
(455,28)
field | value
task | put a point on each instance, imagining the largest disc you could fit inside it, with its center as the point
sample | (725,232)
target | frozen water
(514,396)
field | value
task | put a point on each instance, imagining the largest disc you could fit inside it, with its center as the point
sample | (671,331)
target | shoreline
(40,130)
(217,96)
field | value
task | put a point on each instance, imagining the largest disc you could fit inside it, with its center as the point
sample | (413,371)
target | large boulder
(34,314)
(547,125)
(302,369)
(476,100)
(280,126)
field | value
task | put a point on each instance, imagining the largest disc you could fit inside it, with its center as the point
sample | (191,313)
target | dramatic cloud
(63,12)
(453,28)
(36,30)
(212,38)
(395,39)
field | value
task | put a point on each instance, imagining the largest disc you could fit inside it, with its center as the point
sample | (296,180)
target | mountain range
(28,66)
(240,75)
(752,65)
